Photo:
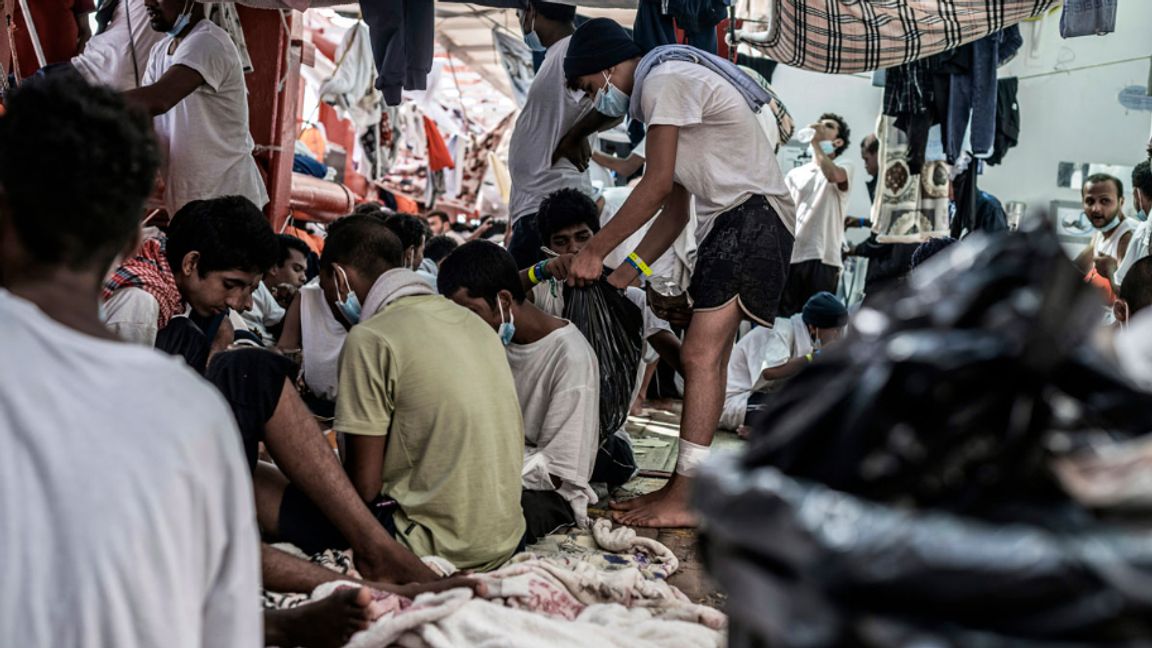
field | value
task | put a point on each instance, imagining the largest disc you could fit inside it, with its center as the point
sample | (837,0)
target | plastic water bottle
(805,135)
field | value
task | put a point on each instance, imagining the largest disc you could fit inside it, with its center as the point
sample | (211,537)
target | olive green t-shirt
(432,377)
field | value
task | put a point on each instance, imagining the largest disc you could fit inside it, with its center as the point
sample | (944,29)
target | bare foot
(639,500)
(444,584)
(664,509)
(327,623)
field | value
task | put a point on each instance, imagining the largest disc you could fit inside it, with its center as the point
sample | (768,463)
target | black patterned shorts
(745,257)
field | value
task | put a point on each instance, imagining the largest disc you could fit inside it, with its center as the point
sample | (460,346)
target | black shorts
(745,257)
(804,280)
(251,380)
(545,513)
(303,524)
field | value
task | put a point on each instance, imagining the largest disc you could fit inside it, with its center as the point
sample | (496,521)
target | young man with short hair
(438,248)
(427,403)
(274,294)
(707,139)
(194,88)
(127,515)
(557,383)
(766,357)
(820,191)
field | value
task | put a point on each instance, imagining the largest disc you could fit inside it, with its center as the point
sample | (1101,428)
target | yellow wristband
(640,265)
(532,275)
(809,358)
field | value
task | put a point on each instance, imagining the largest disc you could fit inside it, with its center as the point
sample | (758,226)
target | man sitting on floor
(557,382)
(566,220)
(766,357)
(274,294)
(175,292)
(427,404)
(127,517)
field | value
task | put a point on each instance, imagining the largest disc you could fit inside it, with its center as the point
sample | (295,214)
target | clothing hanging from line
(846,38)
(972,95)
(910,207)
(1087,18)
(403,39)
(657,20)
(1007,119)
(439,157)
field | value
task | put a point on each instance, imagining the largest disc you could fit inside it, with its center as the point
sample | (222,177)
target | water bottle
(805,135)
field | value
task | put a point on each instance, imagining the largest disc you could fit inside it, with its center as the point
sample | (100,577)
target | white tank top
(321,337)
(1111,246)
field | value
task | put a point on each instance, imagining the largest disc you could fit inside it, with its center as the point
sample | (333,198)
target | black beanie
(824,311)
(596,46)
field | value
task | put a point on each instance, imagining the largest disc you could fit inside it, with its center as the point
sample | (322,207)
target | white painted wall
(1071,117)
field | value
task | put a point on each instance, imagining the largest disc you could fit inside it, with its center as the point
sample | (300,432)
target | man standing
(820,191)
(549,112)
(120,475)
(705,140)
(194,88)
(117,55)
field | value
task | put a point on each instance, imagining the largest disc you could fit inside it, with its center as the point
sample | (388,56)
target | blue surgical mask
(1110,225)
(532,40)
(350,305)
(1141,215)
(181,22)
(507,328)
(610,101)
(827,147)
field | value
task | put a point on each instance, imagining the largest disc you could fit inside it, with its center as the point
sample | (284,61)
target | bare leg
(296,443)
(638,406)
(707,345)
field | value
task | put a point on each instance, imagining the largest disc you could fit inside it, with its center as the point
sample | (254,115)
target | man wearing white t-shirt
(118,54)
(126,509)
(549,111)
(194,89)
(707,140)
(557,383)
(820,191)
(766,357)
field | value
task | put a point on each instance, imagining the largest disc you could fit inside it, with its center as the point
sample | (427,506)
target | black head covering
(598,45)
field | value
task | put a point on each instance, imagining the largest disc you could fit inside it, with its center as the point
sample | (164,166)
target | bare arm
(655,190)
(291,336)
(786,370)
(364,463)
(1084,260)
(667,346)
(623,168)
(160,97)
(1122,249)
(574,144)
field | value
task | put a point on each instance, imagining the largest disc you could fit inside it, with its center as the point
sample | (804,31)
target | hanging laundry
(1088,18)
(765,67)
(439,157)
(351,88)
(1007,119)
(972,97)
(851,37)
(403,39)
(916,94)
(657,20)
(909,207)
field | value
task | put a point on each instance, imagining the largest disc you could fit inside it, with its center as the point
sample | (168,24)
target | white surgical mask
(350,305)
(1110,225)
(532,39)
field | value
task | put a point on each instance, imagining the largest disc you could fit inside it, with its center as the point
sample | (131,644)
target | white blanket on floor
(455,619)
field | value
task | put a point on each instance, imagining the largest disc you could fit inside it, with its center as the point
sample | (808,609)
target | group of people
(465,410)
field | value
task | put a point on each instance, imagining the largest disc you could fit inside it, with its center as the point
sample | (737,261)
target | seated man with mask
(766,357)
(557,382)
(427,404)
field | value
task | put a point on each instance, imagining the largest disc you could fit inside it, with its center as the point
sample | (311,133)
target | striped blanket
(850,36)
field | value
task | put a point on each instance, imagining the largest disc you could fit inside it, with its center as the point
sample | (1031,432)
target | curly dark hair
(483,269)
(230,233)
(64,138)
(564,208)
(845,132)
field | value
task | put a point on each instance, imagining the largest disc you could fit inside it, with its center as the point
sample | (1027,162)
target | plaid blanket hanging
(850,36)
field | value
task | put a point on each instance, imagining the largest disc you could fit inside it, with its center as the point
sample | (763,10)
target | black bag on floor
(614,327)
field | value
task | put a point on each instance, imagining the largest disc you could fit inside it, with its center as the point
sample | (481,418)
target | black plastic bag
(806,566)
(942,393)
(614,327)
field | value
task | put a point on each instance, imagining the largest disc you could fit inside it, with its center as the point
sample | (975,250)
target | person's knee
(702,358)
